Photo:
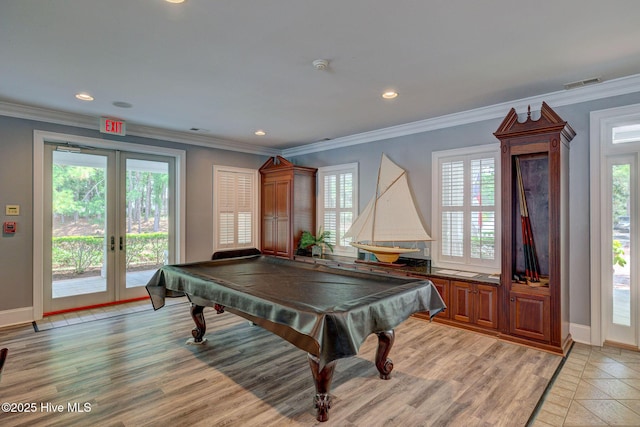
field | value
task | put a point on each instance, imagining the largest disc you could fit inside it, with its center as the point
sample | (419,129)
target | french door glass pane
(147,219)
(621,250)
(79,191)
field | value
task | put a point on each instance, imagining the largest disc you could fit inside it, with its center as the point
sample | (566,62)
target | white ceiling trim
(90,122)
(605,89)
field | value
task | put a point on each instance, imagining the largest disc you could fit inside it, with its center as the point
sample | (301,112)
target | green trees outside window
(79,203)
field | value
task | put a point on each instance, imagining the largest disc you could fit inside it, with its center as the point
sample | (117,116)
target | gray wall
(16,188)
(413,153)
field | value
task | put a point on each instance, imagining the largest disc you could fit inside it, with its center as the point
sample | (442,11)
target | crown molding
(605,89)
(621,86)
(47,115)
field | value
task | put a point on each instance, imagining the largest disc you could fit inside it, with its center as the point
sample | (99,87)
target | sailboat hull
(385,253)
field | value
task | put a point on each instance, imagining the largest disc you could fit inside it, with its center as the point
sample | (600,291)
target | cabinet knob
(512,299)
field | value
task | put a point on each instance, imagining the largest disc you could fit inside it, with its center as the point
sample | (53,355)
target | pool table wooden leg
(322,379)
(385,342)
(198,319)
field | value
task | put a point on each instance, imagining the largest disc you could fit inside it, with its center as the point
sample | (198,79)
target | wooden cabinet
(288,205)
(529,314)
(471,305)
(442,285)
(474,303)
(535,233)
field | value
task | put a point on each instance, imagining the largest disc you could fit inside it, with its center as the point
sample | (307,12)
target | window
(625,134)
(235,207)
(466,209)
(337,204)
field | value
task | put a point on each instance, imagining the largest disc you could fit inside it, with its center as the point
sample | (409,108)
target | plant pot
(316,251)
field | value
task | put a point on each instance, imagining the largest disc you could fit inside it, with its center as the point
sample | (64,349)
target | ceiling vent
(585,82)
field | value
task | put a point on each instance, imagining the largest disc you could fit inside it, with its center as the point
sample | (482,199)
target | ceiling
(230,67)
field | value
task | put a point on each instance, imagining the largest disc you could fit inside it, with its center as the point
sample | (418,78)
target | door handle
(113,243)
(121,243)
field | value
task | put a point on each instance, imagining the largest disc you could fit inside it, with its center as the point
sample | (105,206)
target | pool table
(327,312)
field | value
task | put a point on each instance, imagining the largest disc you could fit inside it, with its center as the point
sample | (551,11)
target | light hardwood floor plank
(137,370)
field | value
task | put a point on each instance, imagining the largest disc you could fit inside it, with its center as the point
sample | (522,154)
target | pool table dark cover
(326,311)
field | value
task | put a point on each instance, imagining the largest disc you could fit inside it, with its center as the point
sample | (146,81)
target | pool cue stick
(532,267)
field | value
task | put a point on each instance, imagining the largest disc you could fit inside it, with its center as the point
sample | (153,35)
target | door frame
(39,138)
(600,122)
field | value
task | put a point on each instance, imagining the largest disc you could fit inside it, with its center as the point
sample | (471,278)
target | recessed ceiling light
(260,132)
(175,1)
(389,94)
(83,96)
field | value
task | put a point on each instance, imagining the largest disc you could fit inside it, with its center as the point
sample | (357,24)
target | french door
(109,224)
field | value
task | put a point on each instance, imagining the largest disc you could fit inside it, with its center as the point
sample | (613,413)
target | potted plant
(317,242)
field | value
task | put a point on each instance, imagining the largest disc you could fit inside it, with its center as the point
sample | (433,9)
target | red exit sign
(113,126)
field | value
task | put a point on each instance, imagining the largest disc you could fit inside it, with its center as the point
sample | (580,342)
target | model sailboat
(391,216)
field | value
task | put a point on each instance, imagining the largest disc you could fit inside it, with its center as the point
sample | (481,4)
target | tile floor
(597,386)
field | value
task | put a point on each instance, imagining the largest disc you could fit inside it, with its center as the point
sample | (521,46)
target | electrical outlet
(427,252)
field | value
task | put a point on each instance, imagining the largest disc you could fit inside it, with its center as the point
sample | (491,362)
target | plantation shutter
(452,178)
(483,213)
(466,186)
(336,205)
(235,203)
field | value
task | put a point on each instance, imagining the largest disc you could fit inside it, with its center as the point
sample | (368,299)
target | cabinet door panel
(461,300)
(282,237)
(442,286)
(530,316)
(268,218)
(283,190)
(487,306)
(268,199)
(283,223)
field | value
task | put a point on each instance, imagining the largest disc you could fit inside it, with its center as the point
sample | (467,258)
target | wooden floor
(136,370)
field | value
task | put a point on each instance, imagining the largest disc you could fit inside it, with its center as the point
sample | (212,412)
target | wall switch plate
(427,252)
(12,210)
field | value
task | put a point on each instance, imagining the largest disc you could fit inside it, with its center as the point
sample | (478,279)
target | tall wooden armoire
(288,205)
(535,229)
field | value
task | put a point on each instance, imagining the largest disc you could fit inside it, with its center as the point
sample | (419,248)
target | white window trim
(436,158)
(348,251)
(254,208)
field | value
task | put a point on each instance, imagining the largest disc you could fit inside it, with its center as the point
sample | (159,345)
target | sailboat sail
(391,215)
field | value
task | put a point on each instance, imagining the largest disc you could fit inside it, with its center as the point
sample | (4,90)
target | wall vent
(585,82)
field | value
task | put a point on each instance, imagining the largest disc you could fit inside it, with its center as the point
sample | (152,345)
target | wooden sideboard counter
(472,299)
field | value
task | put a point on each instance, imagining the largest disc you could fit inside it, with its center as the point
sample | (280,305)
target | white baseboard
(16,316)
(580,333)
